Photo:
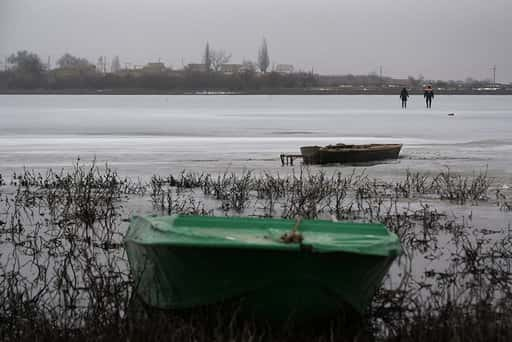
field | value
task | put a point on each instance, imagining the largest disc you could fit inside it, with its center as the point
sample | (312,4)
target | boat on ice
(342,153)
(278,268)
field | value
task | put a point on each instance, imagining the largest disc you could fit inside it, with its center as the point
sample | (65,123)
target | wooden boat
(341,153)
(277,268)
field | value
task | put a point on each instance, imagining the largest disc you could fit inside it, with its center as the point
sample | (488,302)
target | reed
(64,274)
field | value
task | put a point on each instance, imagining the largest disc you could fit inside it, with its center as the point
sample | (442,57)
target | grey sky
(441,39)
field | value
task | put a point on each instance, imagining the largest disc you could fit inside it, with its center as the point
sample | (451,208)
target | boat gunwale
(287,248)
(366,148)
(386,241)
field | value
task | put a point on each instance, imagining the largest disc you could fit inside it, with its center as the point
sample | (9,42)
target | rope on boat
(294,236)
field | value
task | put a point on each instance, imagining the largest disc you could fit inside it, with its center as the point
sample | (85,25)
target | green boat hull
(273,280)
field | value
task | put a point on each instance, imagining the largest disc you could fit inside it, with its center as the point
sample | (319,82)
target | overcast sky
(440,39)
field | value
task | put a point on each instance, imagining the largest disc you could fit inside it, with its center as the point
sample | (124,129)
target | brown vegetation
(64,274)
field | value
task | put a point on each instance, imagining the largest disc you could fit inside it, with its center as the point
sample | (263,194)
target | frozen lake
(141,135)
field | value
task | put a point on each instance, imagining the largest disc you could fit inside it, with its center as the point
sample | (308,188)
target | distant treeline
(12,80)
(27,73)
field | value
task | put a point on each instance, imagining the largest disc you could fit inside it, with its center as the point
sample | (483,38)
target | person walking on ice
(428,95)
(404,95)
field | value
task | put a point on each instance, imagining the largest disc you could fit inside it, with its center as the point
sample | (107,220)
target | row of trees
(29,62)
(214,59)
(28,72)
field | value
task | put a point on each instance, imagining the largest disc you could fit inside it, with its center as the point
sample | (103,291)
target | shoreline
(323,91)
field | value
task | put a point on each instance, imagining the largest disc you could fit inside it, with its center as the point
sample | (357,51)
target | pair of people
(428,95)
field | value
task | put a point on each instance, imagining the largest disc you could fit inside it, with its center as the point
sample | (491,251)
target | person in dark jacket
(404,95)
(428,95)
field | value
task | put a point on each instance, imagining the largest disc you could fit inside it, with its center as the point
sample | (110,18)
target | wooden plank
(287,159)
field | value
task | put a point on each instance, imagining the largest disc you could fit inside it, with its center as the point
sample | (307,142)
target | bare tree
(219,57)
(263,59)
(207,57)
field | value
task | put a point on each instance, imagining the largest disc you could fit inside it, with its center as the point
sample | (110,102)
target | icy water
(143,135)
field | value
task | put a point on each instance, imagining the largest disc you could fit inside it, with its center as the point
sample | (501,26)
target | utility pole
(493,75)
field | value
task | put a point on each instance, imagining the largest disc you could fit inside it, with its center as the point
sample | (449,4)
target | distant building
(132,72)
(197,67)
(68,73)
(248,67)
(81,68)
(230,69)
(404,82)
(154,68)
(116,65)
(284,68)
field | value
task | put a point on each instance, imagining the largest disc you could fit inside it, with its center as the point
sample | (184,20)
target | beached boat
(341,153)
(277,268)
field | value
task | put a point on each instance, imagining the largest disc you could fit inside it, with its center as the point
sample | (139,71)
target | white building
(284,68)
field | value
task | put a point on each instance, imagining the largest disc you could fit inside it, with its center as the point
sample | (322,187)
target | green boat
(278,268)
